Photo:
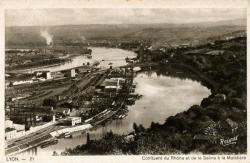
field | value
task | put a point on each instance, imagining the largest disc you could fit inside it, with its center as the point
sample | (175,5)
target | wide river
(162,96)
(105,56)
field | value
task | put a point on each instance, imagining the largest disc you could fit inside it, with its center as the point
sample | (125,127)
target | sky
(50,17)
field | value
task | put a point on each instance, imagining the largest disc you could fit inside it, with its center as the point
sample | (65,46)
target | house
(229,124)
(129,138)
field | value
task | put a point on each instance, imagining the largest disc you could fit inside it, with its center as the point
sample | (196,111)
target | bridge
(138,65)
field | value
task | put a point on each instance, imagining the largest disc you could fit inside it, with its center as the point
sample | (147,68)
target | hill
(162,34)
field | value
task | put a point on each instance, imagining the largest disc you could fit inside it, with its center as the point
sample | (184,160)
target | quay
(42,136)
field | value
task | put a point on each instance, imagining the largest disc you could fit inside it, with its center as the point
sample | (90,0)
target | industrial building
(71,121)
(70,73)
(112,85)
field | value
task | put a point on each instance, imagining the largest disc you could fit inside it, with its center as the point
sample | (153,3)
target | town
(65,101)
(126,89)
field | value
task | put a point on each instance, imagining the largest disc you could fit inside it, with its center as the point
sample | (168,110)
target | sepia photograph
(125,81)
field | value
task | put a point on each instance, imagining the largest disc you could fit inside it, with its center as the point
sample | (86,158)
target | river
(105,56)
(162,96)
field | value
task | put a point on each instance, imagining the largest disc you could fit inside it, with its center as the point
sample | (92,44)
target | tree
(135,127)
(55,153)
(206,102)
(49,102)
(141,128)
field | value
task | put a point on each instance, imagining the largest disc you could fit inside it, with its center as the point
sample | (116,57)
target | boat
(122,116)
(67,135)
(131,101)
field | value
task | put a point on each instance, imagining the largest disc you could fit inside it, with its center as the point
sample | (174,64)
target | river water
(162,96)
(105,56)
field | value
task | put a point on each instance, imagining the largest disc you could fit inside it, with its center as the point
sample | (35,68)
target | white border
(14,4)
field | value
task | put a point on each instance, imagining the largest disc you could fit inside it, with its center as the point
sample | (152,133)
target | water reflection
(163,96)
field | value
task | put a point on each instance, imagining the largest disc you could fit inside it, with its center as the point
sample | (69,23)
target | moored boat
(67,135)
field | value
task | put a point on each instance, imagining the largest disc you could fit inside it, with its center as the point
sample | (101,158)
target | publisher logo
(229,141)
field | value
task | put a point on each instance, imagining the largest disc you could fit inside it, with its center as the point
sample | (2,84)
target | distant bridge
(139,65)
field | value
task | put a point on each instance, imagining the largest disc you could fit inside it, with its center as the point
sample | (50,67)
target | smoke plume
(48,37)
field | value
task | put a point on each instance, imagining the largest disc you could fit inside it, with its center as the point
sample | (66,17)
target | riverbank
(202,128)
(103,57)
(31,70)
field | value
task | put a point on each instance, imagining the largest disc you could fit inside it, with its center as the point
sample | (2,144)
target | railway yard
(94,96)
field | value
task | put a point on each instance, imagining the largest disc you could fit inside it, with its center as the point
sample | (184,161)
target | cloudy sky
(48,17)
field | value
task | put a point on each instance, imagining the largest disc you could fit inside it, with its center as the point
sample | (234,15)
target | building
(10,133)
(43,74)
(71,121)
(228,125)
(57,75)
(75,120)
(112,85)
(48,75)
(10,124)
(13,130)
(70,73)
(64,111)
(129,138)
